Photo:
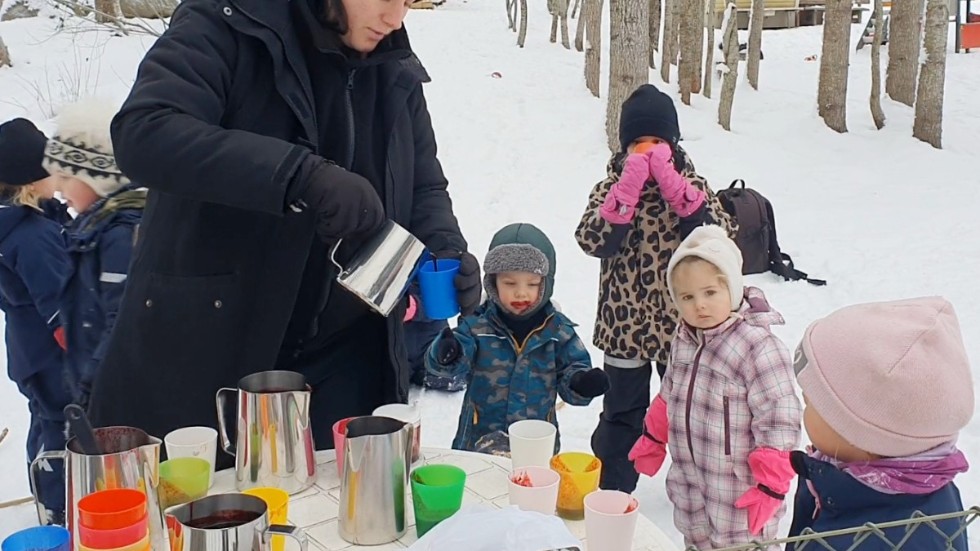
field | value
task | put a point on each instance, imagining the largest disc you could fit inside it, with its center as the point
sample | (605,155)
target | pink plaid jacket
(728,390)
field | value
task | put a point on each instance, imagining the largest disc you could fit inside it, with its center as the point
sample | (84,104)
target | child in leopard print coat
(635,219)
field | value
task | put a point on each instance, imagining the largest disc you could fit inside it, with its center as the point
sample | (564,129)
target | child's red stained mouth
(521,306)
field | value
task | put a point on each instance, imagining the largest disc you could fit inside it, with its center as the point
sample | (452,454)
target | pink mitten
(650,449)
(773,473)
(620,204)
(684,198)
(411,310)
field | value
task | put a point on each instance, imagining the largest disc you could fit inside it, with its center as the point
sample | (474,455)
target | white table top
(316,509)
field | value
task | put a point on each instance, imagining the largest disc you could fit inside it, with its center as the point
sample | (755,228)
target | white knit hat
(711,243)
(82,146)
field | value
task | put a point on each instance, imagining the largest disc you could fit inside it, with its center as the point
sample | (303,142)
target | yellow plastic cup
(278,503)
(579,477)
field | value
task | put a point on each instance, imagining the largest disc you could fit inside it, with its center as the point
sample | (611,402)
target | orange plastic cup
(114,539)
(112,509)
(579,477)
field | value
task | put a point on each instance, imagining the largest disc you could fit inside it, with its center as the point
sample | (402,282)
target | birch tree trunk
(928,125)
(729,40)
(511,14)
(629,26)
(655,6)
(832,90)
(758,16)
(709,53)
(593,46)
(580,27)
(691,27)
(4,55)
(904,43)
(522,34)
(669,39)
(107,11)
(876,112)
(698,23)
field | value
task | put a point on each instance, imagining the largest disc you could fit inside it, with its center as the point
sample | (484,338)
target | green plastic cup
(437,493)
(183,480)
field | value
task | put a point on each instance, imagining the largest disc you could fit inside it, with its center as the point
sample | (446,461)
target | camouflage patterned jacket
(507,381)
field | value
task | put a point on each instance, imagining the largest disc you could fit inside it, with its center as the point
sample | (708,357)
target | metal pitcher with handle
(274,440)
(377,457)
(130,459)
(226,522)
(382,267)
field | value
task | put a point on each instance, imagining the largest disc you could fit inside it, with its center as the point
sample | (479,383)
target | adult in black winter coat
(266,130)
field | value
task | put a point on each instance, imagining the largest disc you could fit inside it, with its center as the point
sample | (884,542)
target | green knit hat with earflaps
(520,248)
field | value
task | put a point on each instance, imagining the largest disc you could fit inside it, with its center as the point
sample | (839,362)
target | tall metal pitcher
(377,456)
(131,459)
(274,443)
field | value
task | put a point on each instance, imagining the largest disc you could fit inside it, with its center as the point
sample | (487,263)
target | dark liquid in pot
(223,519)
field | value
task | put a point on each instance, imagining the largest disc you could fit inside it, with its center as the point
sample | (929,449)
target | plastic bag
(482,528)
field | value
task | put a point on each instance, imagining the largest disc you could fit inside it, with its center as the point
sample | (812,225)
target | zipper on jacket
(728,426)
(349,101)
(690,395)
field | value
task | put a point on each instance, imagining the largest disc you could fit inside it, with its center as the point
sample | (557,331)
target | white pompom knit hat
(891,378)
(712,244)
(82,146)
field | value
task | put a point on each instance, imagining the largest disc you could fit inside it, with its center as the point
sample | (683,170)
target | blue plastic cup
(438,290)
(39,538)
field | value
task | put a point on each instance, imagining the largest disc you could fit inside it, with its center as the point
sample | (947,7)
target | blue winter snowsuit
(33,263)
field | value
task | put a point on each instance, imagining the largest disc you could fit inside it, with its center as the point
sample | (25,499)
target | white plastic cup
(200,442)
(541,496)
(407,413)
(608,525)
(532,443)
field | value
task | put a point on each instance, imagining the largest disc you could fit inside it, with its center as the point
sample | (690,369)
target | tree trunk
(729,40)
(580,27)
(904,39)
(755,42)
(107,11)
(655,6)
(522,34)
(669,40)
(629,26)
(928,125)
(876,112)
(593,44)
(511,5)
(698,24)
(575,8)
(690,35)
(832,91)
(4,55)
(709,53)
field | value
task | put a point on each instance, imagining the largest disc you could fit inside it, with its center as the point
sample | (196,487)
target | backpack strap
(780,263)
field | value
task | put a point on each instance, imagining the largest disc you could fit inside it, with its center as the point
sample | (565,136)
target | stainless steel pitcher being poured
(382,268)
(377,456)
(130,459)
(274,444)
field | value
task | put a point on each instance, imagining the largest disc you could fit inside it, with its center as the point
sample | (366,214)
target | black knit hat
(21,151)
(648,112)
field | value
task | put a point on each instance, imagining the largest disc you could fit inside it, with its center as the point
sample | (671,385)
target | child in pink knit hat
(887,388)
(727,407)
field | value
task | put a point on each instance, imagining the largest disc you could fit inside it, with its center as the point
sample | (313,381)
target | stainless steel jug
(130,459)
(377,456)
(274,444)
(382,268)
(226,522)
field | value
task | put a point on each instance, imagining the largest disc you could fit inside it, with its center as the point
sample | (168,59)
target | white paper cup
(608,527)
(532,443)
(541,496)
(407,413)
(201,442)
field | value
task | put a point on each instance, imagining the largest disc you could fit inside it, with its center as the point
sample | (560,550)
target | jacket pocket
(728,426)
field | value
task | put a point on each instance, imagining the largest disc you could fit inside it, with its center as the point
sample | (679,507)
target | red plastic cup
(112,509)
(339,437)
(113,539)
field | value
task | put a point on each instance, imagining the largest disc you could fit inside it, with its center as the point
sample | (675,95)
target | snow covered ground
(876,213)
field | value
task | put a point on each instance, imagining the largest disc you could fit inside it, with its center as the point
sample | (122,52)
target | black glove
(346,203)
(469,284)
(447,348)
(591,383)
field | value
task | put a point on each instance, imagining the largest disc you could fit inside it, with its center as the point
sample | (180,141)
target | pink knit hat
(892,378)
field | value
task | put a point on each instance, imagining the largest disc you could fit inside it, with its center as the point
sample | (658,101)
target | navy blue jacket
(32,265)
(100,245)
(847,503)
